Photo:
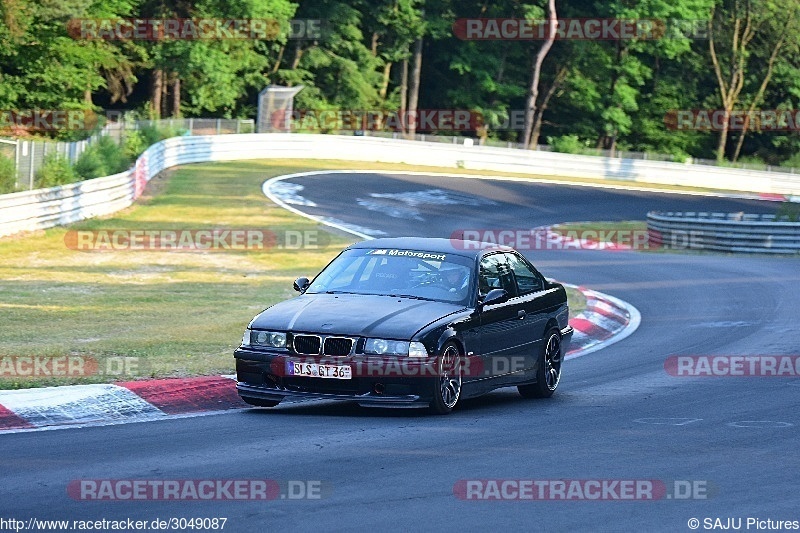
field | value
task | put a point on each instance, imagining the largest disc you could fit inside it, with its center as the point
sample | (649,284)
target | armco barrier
(45,208)
(59,205)
(731,232)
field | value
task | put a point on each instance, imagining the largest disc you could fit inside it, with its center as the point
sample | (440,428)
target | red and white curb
(606,320)
(106,404)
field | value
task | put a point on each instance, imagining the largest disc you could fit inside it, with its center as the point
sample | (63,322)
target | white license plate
(314,370)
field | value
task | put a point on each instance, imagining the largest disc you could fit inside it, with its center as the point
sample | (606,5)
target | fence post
(30,169)
(219,125)
(238,125)
(16,164)
(191,126)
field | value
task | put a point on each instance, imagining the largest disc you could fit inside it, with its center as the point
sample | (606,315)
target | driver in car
(457,278)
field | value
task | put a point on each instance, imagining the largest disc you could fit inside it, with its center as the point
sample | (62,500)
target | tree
(735,28)
(45,67)
(533,94)
(339,69)
(786,39)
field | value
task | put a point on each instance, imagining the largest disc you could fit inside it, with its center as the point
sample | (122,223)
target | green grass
(577,301)
(179,313)
(624,225)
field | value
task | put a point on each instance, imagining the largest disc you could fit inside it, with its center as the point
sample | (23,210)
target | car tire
(447,386)
(548,369)
(258,402)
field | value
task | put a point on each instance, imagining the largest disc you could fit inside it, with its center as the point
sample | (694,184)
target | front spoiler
(366,400)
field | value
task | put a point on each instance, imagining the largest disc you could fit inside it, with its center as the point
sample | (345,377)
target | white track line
(709,194)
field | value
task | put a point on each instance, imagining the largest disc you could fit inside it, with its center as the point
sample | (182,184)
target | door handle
(521,314)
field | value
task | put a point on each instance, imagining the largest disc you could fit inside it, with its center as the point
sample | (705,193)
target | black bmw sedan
(409,322)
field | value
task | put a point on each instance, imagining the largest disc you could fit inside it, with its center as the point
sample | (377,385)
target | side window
(495,274)
(527,280)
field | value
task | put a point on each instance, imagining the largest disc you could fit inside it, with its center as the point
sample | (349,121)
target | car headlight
(389,347)
(269,339)
(417,349)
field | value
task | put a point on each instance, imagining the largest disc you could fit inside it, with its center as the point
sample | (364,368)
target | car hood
(354,315)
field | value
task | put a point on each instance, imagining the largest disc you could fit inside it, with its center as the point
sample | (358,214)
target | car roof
(447,246)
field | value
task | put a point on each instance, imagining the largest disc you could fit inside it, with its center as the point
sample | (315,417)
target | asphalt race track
(618,415)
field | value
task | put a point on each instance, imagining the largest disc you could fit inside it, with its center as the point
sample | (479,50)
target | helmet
(455,276)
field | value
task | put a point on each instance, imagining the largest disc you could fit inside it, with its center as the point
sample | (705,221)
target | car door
(530,302)
(502,326)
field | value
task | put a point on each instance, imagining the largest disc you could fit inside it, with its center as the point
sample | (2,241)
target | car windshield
(409,273)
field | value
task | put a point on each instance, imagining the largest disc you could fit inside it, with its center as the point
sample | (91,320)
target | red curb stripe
(8,420)
(188,395)
(589,328)
(774,197)
(607,313)
(583,325)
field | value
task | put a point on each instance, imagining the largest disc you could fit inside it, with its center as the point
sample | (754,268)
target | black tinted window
(496,274)
(527,280)
(420,274)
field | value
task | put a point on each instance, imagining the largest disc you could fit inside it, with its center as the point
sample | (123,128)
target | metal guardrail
(50,207)
(29,155)
(545,162)
(594,152)
(723,232)
(45,208)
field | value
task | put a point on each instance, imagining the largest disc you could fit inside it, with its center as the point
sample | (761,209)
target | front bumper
(566,338)
(261,375)
(368,399)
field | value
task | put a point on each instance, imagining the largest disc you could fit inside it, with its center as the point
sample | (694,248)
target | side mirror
(301,284)
(494,296)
